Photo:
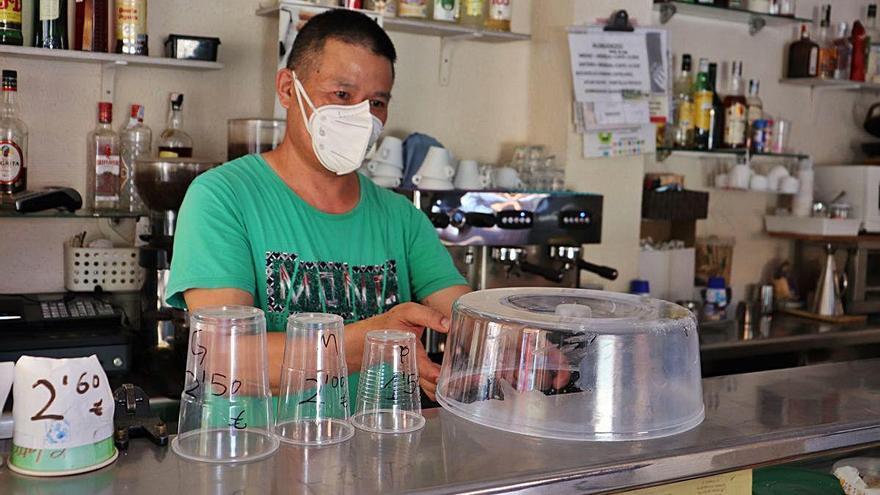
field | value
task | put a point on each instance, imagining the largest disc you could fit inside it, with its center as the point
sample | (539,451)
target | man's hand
(409,317)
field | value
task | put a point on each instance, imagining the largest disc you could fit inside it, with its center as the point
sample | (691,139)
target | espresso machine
(515,239)
(162,184)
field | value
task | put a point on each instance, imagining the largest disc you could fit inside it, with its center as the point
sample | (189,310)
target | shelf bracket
(667,12)
(108,80)
(756,23)
(447,47)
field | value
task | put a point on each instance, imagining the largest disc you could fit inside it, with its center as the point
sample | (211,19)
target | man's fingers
(429,389)
(423,316)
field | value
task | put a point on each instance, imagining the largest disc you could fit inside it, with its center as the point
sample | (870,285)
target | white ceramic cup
(722,181)
(758,183)
(436,164)
(384,169)
(432,184)
(390,152)
(506,178)
(470,177)
(383,181)
(739,176)
(775,176)
(789,185)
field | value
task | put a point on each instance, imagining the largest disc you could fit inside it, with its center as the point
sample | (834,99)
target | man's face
(342,74)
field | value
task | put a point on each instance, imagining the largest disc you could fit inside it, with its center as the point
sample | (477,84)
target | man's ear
(284,87)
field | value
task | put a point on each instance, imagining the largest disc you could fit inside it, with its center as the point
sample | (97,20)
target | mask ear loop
(298,88)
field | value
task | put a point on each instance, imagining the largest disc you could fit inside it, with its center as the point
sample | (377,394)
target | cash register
(64,325)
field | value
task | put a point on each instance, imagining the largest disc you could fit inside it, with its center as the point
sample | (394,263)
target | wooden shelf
(106,58)
(414,26)
(824,238)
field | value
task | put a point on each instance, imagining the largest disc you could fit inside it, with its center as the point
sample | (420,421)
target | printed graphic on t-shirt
(353,292)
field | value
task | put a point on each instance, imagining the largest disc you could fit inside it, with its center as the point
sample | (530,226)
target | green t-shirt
(242,227)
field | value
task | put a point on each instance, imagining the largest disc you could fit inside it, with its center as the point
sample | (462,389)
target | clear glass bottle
(104,166)
(50,24)
(498,15)
(473,13)
(683,135)
(13,139)
(843,45)
(872,47)
(827,50)
(735,107)
(135,141)
(174,141)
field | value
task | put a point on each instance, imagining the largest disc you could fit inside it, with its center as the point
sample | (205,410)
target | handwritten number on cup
(332,381)
(82,386)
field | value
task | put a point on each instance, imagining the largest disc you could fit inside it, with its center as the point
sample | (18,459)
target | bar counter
(752,419)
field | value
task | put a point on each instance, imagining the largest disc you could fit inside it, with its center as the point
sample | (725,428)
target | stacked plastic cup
(313,404)
(226,405)
(388,391)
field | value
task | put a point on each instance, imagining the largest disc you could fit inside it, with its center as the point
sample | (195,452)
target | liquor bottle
(872,46)
(131,27)
(702,106)
(103,173)
(50,24)
(683,135)
(10,23)
(445,10)
(174,142)
(13,139)
(827,50)
(735,106)
(412,8)
(843,45)
(473,13)
(135,140)
(754,105)
(803,56)
(91,31)
(498,16)
(860,46)
(716,115)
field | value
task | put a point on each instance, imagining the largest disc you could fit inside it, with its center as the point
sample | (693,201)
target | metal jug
(829,291)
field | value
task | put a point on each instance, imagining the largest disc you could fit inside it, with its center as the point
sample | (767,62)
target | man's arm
(441,301)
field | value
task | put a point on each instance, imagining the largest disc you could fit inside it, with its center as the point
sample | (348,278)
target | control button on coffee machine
(573,219)
(515,219)
(461,219)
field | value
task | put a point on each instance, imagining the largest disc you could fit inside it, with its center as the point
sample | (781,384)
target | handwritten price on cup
(83,384)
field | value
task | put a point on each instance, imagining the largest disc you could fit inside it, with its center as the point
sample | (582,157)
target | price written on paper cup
(61,403)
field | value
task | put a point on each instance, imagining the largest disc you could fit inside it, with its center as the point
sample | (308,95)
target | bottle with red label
(13,139)
(103,181)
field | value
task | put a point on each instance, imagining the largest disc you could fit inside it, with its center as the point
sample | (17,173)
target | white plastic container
(573,364)
(112,269)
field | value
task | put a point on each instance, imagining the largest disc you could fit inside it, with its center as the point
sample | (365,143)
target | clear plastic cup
(226,405)
(388,391)
(313,404)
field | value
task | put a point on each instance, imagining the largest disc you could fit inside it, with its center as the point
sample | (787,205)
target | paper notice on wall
(607,64)
(619,142)
(61,403)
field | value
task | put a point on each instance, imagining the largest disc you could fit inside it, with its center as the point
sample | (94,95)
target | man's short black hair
(339,24)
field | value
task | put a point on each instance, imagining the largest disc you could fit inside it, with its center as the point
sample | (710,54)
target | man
(297,230)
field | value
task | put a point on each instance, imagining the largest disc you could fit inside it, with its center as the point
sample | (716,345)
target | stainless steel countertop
(751,419)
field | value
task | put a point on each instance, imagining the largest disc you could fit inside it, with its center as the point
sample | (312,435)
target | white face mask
(341,134)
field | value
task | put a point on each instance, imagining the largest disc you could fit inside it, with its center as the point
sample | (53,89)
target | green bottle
(702,107)
(10,23)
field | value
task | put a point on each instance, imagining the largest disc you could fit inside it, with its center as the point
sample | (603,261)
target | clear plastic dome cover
(573,364)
